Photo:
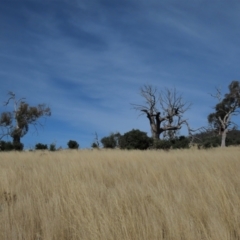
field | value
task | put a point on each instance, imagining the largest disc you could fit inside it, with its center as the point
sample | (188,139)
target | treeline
(164,110)
(136,139)
(210,139)
(9,146)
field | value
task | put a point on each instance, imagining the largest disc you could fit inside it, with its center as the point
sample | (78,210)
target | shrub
(135,139)
(18,146)
(9,146)
(72,144)
(181,142)
(6,146)
(40,146)
(52,147)
(210,142)
(94,145)
(162,144)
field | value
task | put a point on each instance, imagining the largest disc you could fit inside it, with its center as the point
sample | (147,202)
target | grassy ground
(181,194)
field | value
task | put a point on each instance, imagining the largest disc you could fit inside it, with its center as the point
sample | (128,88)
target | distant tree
(112,141)
(228,106)
(108,142)
(96,143)
(52,147)
(72,144)
(135,139)
(170,119)
(40,146)
(16,123)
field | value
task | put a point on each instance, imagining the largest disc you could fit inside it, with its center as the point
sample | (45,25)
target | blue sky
(87,60)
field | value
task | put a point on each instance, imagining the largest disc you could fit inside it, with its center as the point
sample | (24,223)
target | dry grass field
(90,195)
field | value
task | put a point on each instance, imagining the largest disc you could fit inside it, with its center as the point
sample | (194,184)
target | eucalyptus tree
(227,107)
(16,123)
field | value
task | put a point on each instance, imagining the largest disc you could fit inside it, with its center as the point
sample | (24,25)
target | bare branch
(218,94)
(171,104)
(12,96)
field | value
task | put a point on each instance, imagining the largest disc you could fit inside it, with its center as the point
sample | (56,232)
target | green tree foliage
(135,139)
(40,146)
(112,141)
(72,144)
(16,123)
(220,119)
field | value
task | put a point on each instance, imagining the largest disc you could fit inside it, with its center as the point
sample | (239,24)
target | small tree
(170,119)
(52,147)
(112,141)
(135,139)
(16,123)
(96,143)
(72,144)
(220,119)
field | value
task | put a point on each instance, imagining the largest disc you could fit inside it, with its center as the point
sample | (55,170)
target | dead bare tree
(170,119)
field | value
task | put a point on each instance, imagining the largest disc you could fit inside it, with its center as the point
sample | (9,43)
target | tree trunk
(154,124)
(16,135)
(224,135)
(155,135)
(16,139)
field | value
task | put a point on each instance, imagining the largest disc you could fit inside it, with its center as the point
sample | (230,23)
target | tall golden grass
(180,194)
